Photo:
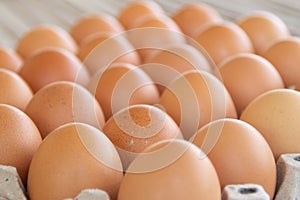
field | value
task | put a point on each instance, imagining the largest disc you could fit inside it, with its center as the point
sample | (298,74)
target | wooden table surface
(18,16)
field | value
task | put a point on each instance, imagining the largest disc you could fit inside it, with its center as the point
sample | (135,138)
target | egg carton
(288,185)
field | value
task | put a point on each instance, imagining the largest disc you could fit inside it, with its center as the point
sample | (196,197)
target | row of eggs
(150,63)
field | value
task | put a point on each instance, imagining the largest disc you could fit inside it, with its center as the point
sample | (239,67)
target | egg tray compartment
(288,179)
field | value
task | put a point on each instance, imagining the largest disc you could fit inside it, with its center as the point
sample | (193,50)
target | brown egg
(74,157)
(19,139)
(284,55)
(196,98)
(9,59)
(239,153)
(101,50)
(93,46)
(45,36)
(247,76)
(134,11)
(120,85)
(263,28)
(192,17)
(14,90)
(170,170)
(63,102)
(136,127)
(52,64)
(154,33)
(275,114)
(224,39)
(91,24)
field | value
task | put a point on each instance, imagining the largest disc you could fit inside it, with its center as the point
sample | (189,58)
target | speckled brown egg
(74,157)
(239,153)
(53,64)
(14,90)
(193,16)
(10,60)
(91,24)
(19,139)
(137,127)
(174,170)
(221,40)
(63,102)
(45,36)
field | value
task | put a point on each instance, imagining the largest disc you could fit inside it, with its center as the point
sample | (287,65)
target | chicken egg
(91,24)
(53,64)
(10,60)
(246,76)
(137,127)
(19,139)
(221,40)
(194,99)
(74,157)
(263,28)
(45,36)
(173,170)
(239,153)
(192,17)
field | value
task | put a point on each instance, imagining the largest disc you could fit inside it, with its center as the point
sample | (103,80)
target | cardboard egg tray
(18,17)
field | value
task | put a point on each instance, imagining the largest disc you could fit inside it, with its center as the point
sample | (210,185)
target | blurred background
(18,16)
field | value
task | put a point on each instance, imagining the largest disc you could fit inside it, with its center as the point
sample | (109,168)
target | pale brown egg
(74,157)
(45,36)
(284,55)
(101,50)
(246,76)
(192,17)
(91,24)
(275,114)
(154,33)
(174,170)
(239,153)
(14,90)
(94,43)
(64,102)
(263,28)
(9,59)
(121,85)
(134,11)
(137,127)
(19,139)
(194,99)
(53,64)
(223,39)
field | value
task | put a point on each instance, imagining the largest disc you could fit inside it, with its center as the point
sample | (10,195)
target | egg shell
(170,170)
(74,157)
(19,139)
(91,24)
(284,55)
(64,102)
(239,153)
(193,16)
(246,76)
(275,115)
(14,90)
(102,50)
(121,85)
(196,98)
(224,39)
(137,127)
(133,11)
(53,64)
(263,28)
(45,36)
(10,60)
